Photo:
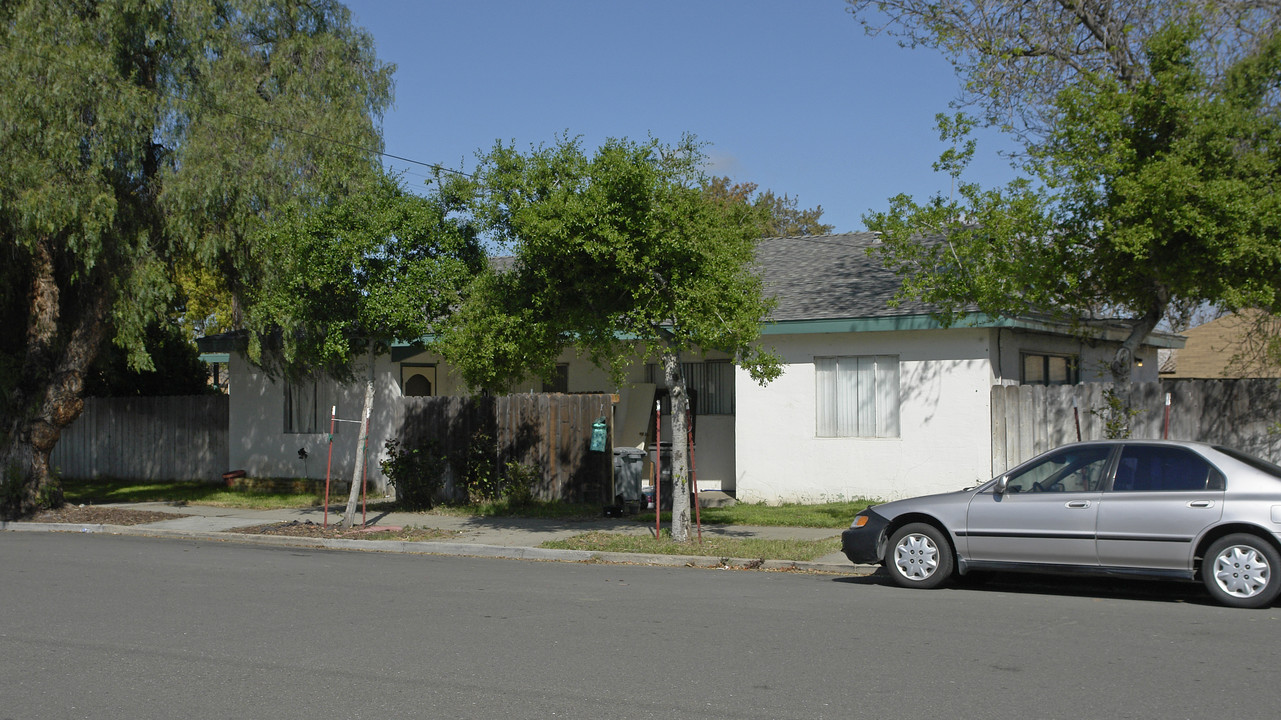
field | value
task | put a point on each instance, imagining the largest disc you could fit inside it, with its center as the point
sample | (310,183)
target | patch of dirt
(98,515)
(309,529)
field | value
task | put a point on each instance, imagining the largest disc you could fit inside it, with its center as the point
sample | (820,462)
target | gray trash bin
(629,466)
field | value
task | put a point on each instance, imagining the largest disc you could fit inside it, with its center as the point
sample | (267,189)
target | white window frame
(857,396)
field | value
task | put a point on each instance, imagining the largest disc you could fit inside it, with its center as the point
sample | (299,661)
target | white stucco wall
(1094,356)
(944,381)
(258,444)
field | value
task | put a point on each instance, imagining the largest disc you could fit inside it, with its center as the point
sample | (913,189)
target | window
(710,385)
(307,406)
(560,380)
(1153,468)
(1040,369)
(1073,469)
(417,380)
(858,396)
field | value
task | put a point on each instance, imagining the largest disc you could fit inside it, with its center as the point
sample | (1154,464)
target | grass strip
(820,515)
(799,550)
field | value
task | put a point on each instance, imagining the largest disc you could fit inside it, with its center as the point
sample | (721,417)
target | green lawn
(799,550)
(819,515)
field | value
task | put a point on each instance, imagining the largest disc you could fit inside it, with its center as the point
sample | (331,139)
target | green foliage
(519,483)
(141,140)
(478,467)
(1143,192)
(177,368)
(378,264)
(1116,415)
(779,216)
(609,250)
(417,473)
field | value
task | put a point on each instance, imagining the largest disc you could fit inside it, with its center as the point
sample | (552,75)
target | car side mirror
(1002,483)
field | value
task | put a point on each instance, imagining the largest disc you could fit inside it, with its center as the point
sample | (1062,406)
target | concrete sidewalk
(470,536)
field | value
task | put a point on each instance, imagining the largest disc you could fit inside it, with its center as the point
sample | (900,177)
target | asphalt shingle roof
(823,277)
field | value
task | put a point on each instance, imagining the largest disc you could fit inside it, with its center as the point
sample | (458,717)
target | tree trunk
(47,397)
(679,398)
(1123,362)
(357,473)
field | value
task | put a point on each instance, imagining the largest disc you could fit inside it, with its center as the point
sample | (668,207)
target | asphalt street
(102,626)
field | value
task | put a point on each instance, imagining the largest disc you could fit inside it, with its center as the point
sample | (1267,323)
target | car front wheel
(919,556)
(1241,571)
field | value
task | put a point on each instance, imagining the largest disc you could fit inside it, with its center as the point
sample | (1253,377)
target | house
(1227,347)
(874,401)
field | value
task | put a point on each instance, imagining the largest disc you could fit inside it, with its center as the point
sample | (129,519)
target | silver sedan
(1125,507)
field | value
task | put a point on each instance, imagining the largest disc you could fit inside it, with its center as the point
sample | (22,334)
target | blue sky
(790,94)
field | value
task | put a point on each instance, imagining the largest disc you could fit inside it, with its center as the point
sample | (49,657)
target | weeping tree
(615,252)
(340,280)
(1150,175)
(142,139)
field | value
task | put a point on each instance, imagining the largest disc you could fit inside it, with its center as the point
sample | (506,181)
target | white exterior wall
(944,419)
(1094,357)
(257,441)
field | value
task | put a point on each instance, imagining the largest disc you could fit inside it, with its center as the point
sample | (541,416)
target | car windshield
(1257,463)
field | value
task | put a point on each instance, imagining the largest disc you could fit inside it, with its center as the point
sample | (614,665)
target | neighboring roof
(1219,349)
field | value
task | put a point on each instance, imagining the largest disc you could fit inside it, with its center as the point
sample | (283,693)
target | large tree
(341,279)
(613,252)
(139,137)
(1151,166)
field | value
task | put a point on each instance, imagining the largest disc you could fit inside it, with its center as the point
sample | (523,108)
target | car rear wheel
(919,556)
(1241,571)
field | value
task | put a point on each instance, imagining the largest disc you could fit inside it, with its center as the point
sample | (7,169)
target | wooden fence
(146,438)
(1030,419)
(550,431)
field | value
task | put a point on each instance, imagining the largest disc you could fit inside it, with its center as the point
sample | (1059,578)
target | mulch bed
(97,515)
(309,529)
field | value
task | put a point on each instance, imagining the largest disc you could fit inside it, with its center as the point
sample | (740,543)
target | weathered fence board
(146,438)
(1030,419)
(550,431)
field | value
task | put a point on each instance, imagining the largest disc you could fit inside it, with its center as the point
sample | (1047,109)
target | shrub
(418,474)
(480,474)
(518,486)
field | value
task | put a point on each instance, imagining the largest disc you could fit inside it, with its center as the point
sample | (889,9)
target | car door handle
(1078,504)
(1201,504)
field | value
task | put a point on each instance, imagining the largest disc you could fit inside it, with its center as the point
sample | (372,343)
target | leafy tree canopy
(140,138)
(608,249)
(1144,190)
(781,216)
(379,265)
(1014,57)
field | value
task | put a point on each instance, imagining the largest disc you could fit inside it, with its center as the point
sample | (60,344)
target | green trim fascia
(970,321)
(874,324)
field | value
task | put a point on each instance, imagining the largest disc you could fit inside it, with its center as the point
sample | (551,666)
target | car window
(1254,462)
(1070,469)
(1154,468)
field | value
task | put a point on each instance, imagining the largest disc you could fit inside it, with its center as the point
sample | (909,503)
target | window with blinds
(710,383)
(858,396)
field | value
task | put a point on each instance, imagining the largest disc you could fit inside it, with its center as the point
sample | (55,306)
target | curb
(455,549)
